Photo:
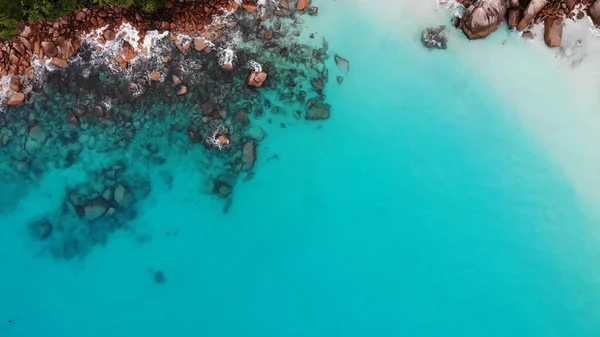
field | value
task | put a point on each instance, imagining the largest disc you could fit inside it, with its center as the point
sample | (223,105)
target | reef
(132,97)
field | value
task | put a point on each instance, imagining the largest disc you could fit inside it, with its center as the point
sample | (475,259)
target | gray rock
(317,110)
(256,132)
(434,37)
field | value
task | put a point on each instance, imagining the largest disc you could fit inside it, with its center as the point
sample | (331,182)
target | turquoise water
(421,208)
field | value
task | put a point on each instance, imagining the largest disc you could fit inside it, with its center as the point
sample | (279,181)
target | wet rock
(16,99)
(155,76)
(182,90)
(532,9)
(342,63)
(257,78)
(109,35)
(302,4)
(513,17)
(434,37)
(317,110)
(15,84)
(553,29)
(313,11)
(41,229)
(49,49)
(68,48)
(527,35)
(59,62)
(176,80)
(483,17)
(128,51)
(249,155)
(256,132)
(594,12)
(199,44)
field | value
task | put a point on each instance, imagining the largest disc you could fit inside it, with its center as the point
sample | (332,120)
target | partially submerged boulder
(553,28)
(534,7)
(483,17)
(434,37)
(594,12)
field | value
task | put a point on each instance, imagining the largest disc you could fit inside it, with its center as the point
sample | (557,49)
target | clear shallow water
(422,208)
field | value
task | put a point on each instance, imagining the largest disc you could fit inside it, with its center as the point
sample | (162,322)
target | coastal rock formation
(553,28)
(534,7)
(594,12)
(257,78)
(302,4)
(434,37)
(483,17)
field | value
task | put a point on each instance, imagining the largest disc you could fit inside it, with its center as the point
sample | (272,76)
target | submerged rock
(159,277)
(249,155)
(342,63)
(317,110)
(533,8)
(41,229)
(434,37)
(483,17)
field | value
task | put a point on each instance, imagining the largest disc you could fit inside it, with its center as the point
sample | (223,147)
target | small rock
(317,110)
(302,4)
(342,63)
(257,78)
(527,35)
(340,79)
(313,11)
(59,62)
(176,80)
(155,76)
(249,155)
(49,49)
(16,99)
(182,90)
(15,84)
(553,29)
(256,132)
(95,210)
(513,17)
(483,17)
(159,277)
(434,37)
(199,44)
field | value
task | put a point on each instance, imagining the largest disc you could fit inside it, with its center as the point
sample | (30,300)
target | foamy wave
(453,6)
(257,67)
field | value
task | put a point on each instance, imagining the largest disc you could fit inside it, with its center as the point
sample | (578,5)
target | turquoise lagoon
(423,207)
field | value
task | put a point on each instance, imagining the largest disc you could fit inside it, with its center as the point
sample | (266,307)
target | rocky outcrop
(434,37)
(594,12)
(257,78)
(302,4)
(483,17)
(534,7)
(553,28)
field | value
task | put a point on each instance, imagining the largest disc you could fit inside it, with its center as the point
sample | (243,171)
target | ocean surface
(427,205)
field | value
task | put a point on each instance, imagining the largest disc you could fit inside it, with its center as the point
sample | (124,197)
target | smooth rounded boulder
(483,17)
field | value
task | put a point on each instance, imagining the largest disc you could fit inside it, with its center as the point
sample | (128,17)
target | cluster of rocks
(482,17)
(90,212)
(185,102)
(58,41)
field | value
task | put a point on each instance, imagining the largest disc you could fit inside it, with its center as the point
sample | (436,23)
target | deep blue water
(421,208)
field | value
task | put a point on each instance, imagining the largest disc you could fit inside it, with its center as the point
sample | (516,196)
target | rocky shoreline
(130,100)
(482,18)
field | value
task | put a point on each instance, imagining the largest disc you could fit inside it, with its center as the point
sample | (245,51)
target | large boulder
(594,12)
(483,17)
(534,7)
(553,28)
